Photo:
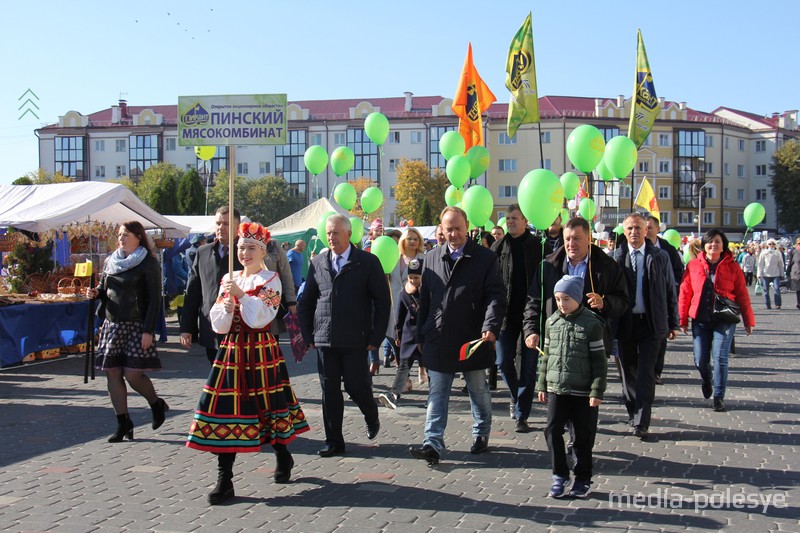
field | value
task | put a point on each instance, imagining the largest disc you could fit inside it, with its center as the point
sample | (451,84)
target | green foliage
(158,188)
(126,181)
(25,260)
(24,180)
(264,200)
(40,177)
(785,168)
(424,216)
(191,194)
(416,182)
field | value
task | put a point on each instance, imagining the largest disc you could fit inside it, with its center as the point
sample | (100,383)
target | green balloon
(453,195)
(603,171)
(619,230)
(479,159)
(358,230)
(571,183)
(376,126)
(315,159)
(754,214)
(501,221)
(457,170)
(387,251)
(564,215)
(687,254)
(587,208)
(489,225)
(321,223)
(345,195)
(371,199)
(342,160)
(620,156)
(541,196)
(585,146)
(452,144)
(673,237)
(478,204)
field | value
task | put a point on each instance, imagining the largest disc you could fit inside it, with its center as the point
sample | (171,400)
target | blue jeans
(713,340)
(389,349)
(480,399)
(522,386)
(776,286)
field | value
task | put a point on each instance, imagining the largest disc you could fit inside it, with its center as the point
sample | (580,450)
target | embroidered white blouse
(258,306)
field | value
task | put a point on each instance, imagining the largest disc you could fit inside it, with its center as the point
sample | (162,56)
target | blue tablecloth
(27,328)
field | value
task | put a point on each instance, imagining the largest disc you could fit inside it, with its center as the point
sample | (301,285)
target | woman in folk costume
(248,399)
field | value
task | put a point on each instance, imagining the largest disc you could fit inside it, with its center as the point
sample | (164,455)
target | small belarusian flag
(469,348)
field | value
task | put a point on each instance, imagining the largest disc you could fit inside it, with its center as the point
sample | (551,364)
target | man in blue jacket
(462,299)
(344,313)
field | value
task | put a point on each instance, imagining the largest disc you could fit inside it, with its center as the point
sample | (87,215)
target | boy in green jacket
(572,378)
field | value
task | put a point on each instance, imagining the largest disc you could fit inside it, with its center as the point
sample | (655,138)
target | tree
(191,194)
(785,168)
(264,200)
(158,187)
(40,177)
(416,182)
(360,185)
(424,216)
(24,180)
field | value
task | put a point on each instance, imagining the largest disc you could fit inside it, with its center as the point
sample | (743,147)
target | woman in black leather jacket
(130,295)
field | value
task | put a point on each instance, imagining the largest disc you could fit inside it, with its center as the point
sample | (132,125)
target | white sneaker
(388,400)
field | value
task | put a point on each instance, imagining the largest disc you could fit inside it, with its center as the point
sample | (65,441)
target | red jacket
(728,282)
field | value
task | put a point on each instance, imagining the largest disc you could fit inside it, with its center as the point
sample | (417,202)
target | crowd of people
(546,311)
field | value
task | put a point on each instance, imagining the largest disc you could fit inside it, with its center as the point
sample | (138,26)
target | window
(394,137)
(416,137)
(727,143)
(727,218)
(608,132)
(761,146)
(648,141)
(663,166)
(665,217)
(99,146)
(339,139)
(507,191)
(644,166)
(740,194)
(170,144)
(315,138)
(289,163)
(70,157)
(709,141)
(503,138)
(437,160)
(663,139)
(761,170)
(121,171)
(241,169)
(664,193)
(120,145)
(143,153)
(624,191)
(547,164)
(690,153)
(100,171)
(727,169)
(393,165)
(725,193)
(740,219)
(740,170)
(391,192)
(545,137)
(710,192)
(709,168)
(761,194)
(264,168)
(741,145)
(685,218)
(507,165)
(708,217)
(366,155)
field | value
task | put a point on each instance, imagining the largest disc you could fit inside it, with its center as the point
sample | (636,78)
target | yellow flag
(523,107)
(83,270)
(645,102)
(647,199)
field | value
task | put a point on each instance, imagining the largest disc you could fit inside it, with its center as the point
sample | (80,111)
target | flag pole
(231,229)
(541,151)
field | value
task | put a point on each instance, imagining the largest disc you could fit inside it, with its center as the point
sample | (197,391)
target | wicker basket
(70,286)
(164,243)
(42,282)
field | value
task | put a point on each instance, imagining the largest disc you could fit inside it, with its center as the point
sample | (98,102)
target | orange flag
(473,97)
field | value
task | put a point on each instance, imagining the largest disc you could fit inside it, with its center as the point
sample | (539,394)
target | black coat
(660,298)
(133,295)
(348,310)
(457,305)
(407,311)
(675,260)
(607,279)
(202,289)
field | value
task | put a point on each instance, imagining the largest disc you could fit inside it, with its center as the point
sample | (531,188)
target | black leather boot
(159,408)
(284,464)
(124,429)
(223,491)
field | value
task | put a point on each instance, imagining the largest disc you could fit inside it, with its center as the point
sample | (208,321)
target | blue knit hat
(572,286)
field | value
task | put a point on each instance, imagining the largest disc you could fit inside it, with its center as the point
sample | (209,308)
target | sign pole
(231,230)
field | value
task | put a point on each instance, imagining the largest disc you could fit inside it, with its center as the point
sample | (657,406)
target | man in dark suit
(202,287)
(652,315)
(462,299)
(344,313)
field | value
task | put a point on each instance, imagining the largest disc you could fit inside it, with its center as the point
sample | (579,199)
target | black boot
(159,408)
(124,429)
(285,462)
(224,489)
(493,377)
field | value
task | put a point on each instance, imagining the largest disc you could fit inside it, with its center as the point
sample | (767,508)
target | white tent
(205,224)
(306,218)
(39,208)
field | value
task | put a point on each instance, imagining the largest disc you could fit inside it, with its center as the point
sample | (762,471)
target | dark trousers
(575,409)
(335,365)
(639,355)
(520,386)
(662,354)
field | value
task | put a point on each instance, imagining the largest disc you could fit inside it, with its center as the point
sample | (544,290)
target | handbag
(725,310)
(299,347)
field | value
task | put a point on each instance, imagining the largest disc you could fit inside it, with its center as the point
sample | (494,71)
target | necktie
(638,306)
(337,263)
(223,250)
(635,260)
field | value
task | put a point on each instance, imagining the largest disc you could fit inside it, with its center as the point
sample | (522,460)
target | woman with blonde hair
(412,246)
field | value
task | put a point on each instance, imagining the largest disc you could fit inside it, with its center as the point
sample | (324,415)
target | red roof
(770,122)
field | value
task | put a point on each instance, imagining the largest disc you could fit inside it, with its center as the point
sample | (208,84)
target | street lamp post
(700,206)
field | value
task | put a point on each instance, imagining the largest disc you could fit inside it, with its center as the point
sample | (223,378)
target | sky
(85,55)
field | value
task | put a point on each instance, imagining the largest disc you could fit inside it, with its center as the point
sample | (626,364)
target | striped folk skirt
(248,399)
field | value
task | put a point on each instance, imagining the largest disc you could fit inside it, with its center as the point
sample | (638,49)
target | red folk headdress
(255,233)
